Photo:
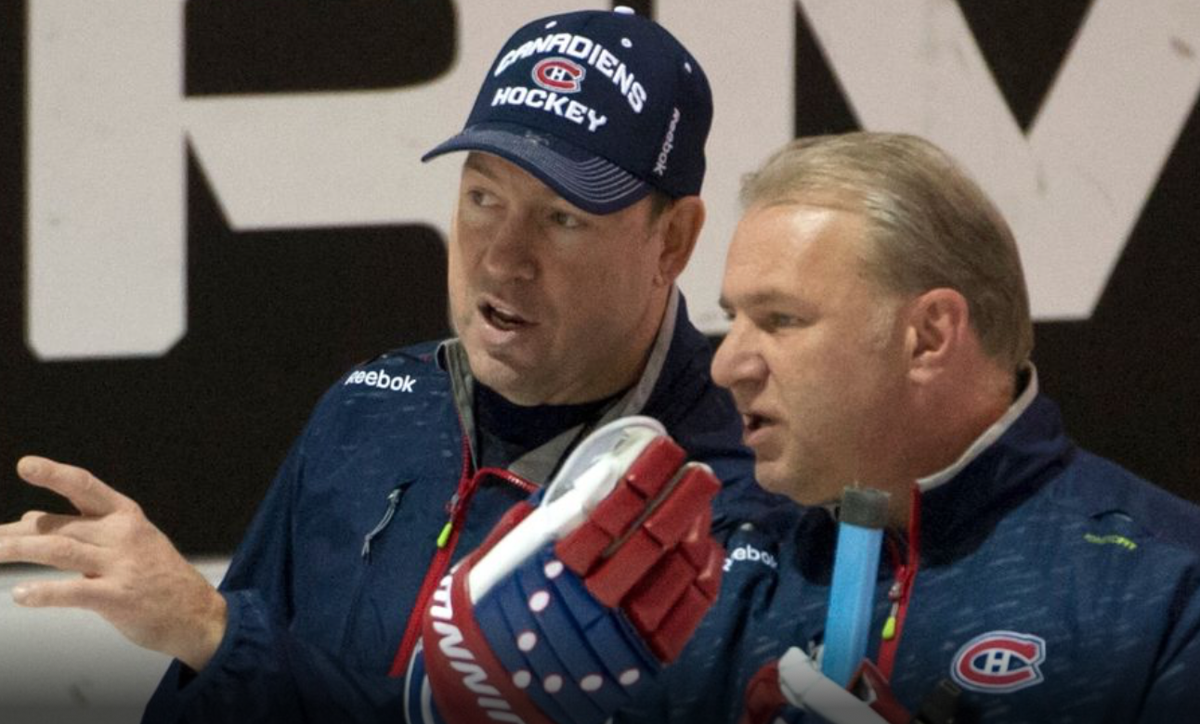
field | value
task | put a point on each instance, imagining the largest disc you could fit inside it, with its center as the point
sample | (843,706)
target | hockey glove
(572,606)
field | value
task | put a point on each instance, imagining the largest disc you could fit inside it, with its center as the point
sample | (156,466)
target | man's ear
(939,325)
(682,220)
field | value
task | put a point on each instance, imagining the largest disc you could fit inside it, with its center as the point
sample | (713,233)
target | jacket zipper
(447,540)
(393,500)
(900,593)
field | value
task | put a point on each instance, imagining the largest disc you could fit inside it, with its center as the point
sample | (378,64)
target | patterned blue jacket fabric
(317,612)
(1053,587)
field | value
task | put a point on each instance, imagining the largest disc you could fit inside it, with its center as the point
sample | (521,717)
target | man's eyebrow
(475,164)
(760,298)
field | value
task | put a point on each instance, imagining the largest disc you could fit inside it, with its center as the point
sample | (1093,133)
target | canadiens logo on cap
(559,75)
(999,662)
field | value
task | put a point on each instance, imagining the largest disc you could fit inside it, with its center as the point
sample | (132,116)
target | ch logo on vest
(559,75)
(999,662)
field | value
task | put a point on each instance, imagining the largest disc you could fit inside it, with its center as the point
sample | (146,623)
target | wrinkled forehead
(780,247)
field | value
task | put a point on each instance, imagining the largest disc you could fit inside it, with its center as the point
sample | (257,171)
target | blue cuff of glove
(578,660)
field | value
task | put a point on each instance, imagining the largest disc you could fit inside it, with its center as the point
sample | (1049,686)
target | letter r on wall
(108,122)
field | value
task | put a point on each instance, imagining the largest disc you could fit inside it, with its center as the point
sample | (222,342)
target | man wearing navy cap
(577,211)
(604,108)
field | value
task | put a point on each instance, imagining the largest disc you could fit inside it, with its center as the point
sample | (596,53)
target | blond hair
(930,225)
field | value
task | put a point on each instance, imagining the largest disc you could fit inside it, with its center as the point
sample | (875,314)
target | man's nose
(510,252)
(737,361)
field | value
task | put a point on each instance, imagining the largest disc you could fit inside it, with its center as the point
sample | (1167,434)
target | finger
(24,526)
(74,593)
(85,491)
(36,522)
(55,551)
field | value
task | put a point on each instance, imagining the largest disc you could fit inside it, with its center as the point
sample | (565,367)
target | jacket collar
(539,464)
(990,435)
(1006,465)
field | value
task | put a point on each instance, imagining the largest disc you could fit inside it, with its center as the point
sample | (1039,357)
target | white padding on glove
(589,474)
(805,687)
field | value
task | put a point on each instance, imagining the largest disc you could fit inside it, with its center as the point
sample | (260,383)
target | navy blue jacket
(1052,586)
(321,589)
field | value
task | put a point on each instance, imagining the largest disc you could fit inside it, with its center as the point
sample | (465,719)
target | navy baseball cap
(601,106)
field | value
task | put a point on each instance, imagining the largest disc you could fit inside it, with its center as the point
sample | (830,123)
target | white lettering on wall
(746,48)
(1074,186)
(106,178)
(108,125)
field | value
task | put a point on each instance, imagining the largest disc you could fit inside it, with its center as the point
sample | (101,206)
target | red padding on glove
(687,512)
(669,602)
(583,548)
(618,574)
(666,573)
(618,512)
(655,466)
(763,696)
(677,628)
(655,595)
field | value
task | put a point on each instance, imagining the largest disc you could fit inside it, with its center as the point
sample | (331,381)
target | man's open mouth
(502,319)
(753,422)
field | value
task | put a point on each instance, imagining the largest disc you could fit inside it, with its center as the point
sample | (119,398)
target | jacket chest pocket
(361,622)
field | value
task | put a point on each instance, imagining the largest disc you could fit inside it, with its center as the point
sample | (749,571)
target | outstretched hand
(131,573)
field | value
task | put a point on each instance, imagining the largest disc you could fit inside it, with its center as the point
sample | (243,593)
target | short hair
(930,225)
(659,203)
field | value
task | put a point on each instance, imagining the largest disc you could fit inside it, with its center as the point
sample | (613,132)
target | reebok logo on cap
(660,167)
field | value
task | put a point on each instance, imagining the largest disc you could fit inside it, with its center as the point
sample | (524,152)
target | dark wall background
(273,317)
(196,435)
